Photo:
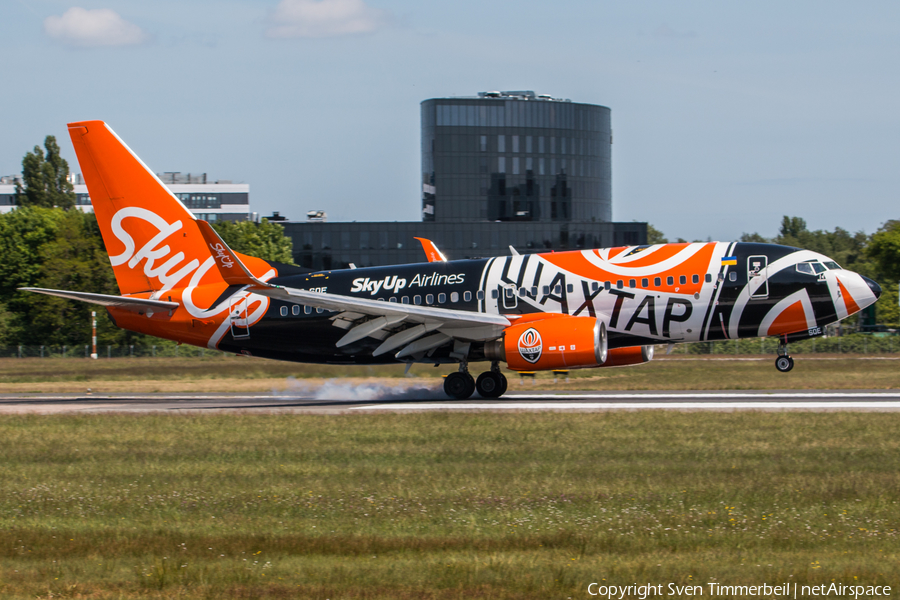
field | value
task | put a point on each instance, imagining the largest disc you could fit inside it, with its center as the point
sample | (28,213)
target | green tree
(75,260)
(23,234)
(46,178)
(884,249)
(754,237)
(263,240)
(655,236)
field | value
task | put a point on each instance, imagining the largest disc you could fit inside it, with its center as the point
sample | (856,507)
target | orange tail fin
(153,241)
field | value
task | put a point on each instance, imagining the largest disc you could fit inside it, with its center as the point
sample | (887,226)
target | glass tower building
(515,156)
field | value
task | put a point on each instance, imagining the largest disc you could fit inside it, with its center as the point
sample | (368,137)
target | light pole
(93,334)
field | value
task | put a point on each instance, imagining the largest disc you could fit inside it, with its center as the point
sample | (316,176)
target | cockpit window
(833,266)
(813,267)
(805,267)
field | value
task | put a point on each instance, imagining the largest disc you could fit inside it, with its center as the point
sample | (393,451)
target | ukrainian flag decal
(729,261)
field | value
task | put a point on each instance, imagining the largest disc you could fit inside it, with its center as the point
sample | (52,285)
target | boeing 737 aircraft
(566,310)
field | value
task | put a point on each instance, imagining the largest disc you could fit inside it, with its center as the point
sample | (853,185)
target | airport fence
(84,351)
(856,343)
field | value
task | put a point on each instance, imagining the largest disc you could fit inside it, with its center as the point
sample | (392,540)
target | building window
(515,165)
(501,164)
(501,143)
(515,143)
(541,169)
(540,144)
(483,143)
(528,143)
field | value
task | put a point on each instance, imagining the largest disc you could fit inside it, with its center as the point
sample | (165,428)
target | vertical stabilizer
(152,239)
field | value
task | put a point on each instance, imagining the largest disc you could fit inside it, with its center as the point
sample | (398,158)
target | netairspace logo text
(765,590)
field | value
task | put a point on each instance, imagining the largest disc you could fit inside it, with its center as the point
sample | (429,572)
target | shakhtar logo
(530,345)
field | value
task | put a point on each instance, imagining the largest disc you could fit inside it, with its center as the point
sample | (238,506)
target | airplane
(596,308)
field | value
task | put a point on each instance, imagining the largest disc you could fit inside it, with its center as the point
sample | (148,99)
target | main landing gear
(461,385)
(784,362)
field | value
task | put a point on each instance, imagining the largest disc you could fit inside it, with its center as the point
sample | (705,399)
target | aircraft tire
(459,385)
(784,363)
(504,383)
(490,385)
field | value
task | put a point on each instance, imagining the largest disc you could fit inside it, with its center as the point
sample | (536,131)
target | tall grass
(442,505)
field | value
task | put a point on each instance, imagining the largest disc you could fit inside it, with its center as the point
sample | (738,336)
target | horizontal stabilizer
(230,266)
(136,304)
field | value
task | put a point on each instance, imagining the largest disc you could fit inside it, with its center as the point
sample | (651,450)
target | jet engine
(555,343)
(635,355)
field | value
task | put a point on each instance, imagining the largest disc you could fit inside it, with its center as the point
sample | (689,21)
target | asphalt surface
(350,399)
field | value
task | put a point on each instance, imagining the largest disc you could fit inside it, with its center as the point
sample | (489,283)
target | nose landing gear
(461,385)
(784,362)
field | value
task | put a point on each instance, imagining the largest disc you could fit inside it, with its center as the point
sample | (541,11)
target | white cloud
(325,18)
(91,28)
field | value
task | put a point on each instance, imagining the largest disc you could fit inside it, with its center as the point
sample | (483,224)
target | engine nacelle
(635,355)
(555,343)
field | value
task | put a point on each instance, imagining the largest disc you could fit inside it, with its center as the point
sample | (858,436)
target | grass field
(443,506)
(241,374)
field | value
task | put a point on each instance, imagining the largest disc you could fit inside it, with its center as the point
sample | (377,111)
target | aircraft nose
(876,289)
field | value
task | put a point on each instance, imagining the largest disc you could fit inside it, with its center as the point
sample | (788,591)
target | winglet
(230,266)
(431,251)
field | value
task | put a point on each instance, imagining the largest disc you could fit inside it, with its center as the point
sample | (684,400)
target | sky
(726,116)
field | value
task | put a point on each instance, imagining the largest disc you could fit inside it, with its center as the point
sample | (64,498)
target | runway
(335,399)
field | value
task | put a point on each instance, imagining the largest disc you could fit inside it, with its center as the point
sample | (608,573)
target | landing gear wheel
(459,385)
(784,363)
(490,385)
(504,383)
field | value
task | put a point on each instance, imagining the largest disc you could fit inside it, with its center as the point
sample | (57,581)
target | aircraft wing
(126,302)
(431,250)
(363,317)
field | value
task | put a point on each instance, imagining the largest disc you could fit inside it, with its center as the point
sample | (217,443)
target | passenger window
(454,296)
(608,285)
(708,278)
(429,299)
(320,310)
(657,281)
(595,286)
(523,292)
(495,294)
(695,279)
(682,279)
(632,283)
(732,276)
(307,310)
(570,288)
(393,299)
(509,292)
(534,292)
(670,280)
(295,310)
(620,284)
(721,277)
(417,299)
(404,300)
(557,289)
(645,282)
(442,297)
(546,289)
(479,295)
(467,296)
(283,311)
